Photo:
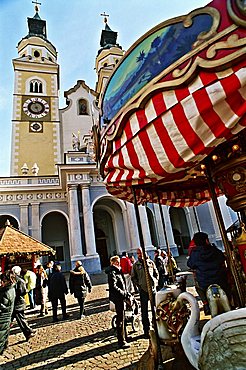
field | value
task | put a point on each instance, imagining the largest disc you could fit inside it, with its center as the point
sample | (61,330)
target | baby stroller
(131,313)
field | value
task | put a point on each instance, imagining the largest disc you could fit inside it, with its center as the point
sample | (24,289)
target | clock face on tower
(36,107)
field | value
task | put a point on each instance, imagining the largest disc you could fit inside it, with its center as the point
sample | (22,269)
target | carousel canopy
(176,97)
(15,242)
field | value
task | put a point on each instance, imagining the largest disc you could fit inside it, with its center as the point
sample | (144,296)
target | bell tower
(35,124)
(108,56)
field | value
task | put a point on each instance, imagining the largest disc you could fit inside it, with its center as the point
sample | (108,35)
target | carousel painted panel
(152,54)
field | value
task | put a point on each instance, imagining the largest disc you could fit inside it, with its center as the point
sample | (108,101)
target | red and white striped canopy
(158,147)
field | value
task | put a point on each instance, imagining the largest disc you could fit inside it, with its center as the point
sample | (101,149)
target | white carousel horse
(169,325)
(222,343)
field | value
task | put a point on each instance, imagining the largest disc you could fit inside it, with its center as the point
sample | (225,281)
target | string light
(235,148)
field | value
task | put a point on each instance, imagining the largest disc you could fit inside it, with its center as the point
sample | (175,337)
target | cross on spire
(36,5)
(105,17)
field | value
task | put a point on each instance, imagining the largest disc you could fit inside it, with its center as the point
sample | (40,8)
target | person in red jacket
(191,247)
(126,268)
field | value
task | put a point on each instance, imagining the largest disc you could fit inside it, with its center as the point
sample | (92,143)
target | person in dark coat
(208,262)
(20,304)
(58,290)
(7,300)
(118,294)
(79,282)
(162,270)
(49,272)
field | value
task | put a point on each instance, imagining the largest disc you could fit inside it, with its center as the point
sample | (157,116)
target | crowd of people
(17,286)
(126,276)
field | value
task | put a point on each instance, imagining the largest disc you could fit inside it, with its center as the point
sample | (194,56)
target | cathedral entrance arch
(180,229)
(109,229)
(101,245)
(7,218)
(55,234)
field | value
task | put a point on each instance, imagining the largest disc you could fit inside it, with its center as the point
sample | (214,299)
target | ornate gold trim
(204,36)
(233,41)
(233,15)
(232,172)
(241,6)
(237,203)
(228,165)
(241,239)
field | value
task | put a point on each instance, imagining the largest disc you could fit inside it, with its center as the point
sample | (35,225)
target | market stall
(17,248)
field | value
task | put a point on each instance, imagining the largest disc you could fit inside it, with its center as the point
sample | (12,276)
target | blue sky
(74,27)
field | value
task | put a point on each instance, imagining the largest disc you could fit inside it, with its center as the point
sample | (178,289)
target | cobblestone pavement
(89,343)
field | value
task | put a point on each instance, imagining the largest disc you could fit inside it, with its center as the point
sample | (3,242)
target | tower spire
(37,26)
(36,5)
(108,37)
(105,17)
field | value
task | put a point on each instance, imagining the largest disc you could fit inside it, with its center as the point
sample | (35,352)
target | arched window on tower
(36,86)
(83,107)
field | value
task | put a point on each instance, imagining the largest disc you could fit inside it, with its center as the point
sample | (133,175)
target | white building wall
(72,122)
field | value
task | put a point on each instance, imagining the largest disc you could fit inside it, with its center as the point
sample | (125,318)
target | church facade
(55,193)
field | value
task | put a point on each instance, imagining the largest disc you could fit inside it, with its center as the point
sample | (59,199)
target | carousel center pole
(148,280)
(224,236)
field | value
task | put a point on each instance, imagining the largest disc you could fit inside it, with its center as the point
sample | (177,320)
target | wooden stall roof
(15,242)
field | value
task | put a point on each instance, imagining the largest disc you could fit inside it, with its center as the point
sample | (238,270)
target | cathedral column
(24,218)
(88,222)
(169,231)
(145,227)
(75,231)
(36,221)
(126,227)
(132,226)
(193,219)
(92,261)
(159,225)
